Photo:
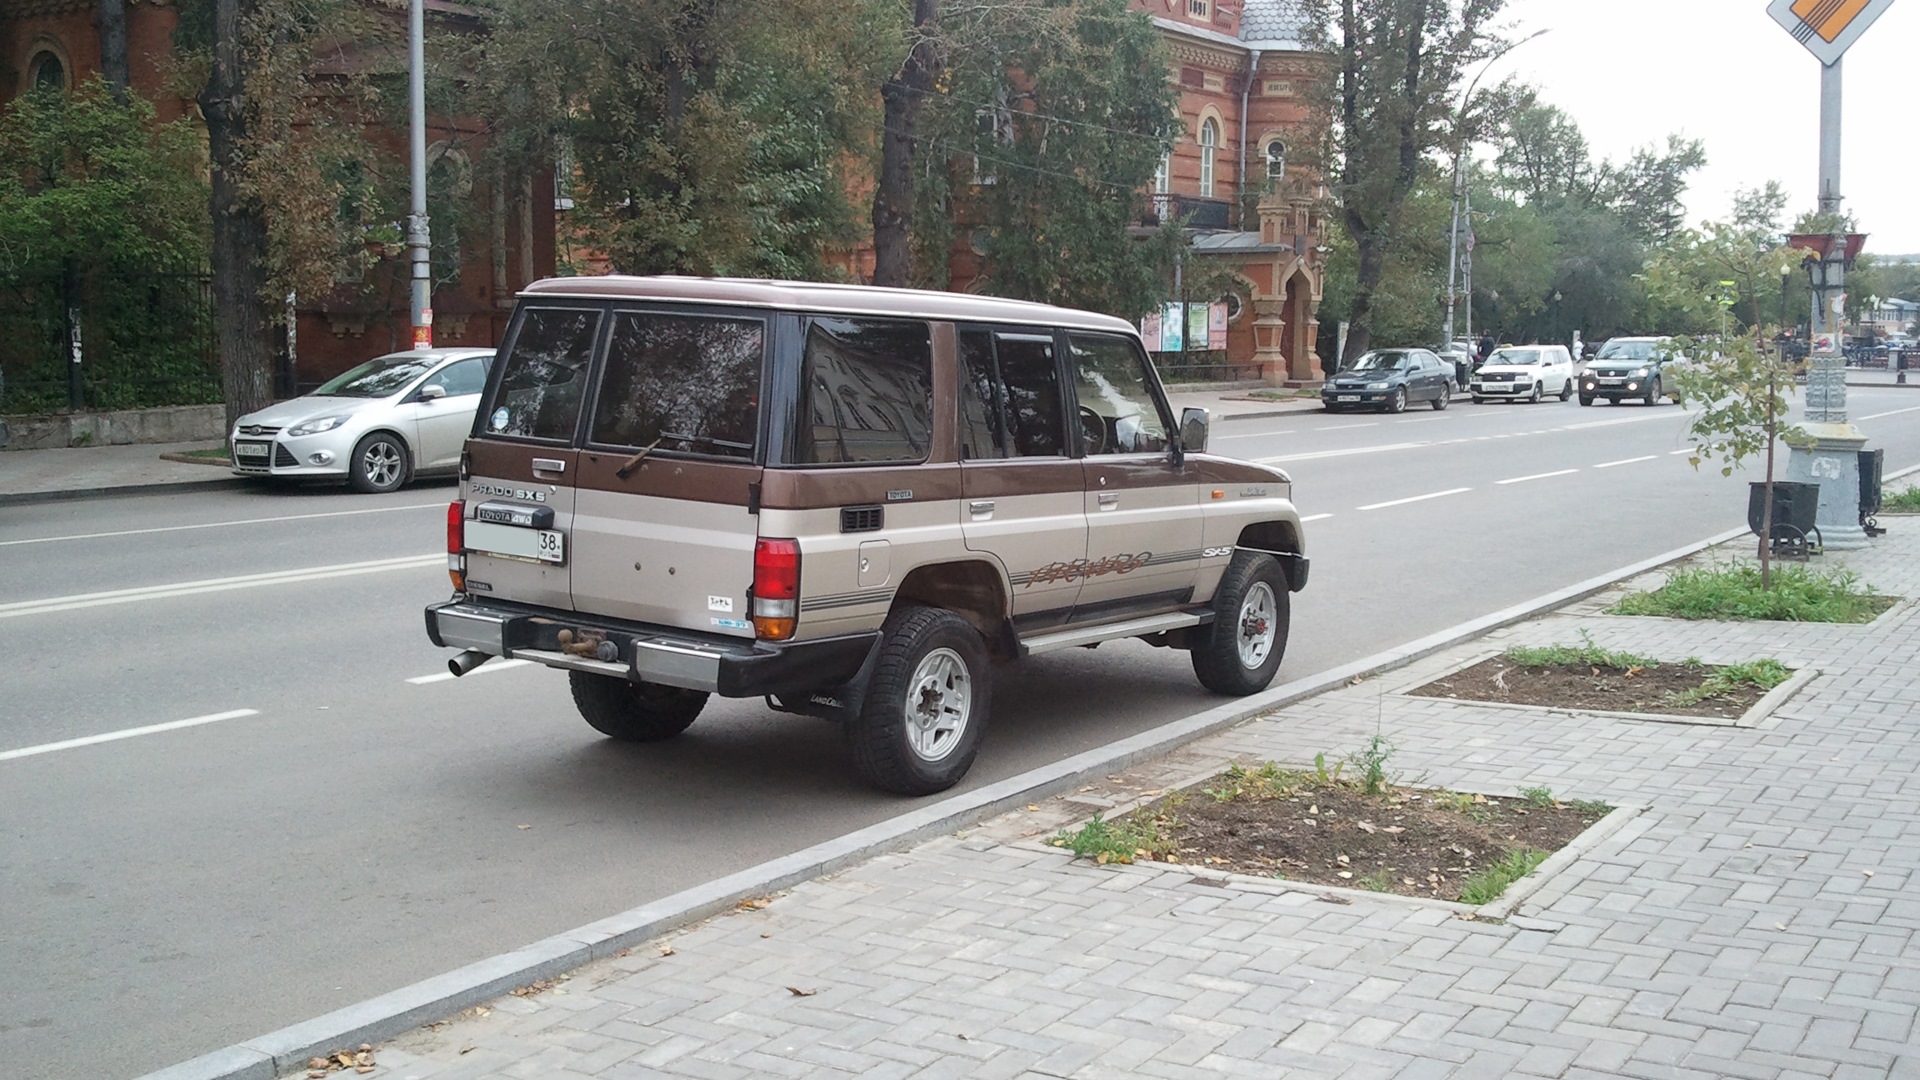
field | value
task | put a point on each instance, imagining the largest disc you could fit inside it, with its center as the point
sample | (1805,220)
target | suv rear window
(543,374)
(688,383)
(869,392)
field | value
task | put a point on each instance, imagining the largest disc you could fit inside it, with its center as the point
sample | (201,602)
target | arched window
(1209,146)
(1276,160)
(46,72)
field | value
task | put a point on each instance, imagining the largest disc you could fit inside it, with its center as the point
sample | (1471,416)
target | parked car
(376,426)
(1524,373)
(1390,380)
(846,501)
(1628,368)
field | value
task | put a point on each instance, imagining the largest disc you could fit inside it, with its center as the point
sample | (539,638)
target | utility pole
(1462,207)
(1832,458)
(419,237)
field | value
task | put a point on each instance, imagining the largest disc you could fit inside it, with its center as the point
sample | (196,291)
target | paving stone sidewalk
(1756,919)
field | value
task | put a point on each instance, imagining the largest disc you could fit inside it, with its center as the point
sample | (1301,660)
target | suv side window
(687,383)
(869,394)
(1119,413)
(980,413)
(543,374)
(1031,381)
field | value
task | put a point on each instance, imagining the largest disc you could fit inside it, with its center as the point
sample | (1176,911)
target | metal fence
(74,339)
(1212,366)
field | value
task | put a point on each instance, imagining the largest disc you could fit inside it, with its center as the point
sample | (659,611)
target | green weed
(1119,841)
(1537,796)
(1589,808)
(1765,674)
(1904,501)
(1587,652)
(1799,594)
(1487,885)
(1321,774)
(1378,881)
(1371,760)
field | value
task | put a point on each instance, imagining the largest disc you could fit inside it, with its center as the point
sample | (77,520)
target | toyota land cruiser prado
(846,500)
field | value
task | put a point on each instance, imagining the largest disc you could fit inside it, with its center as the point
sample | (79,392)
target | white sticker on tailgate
(533,545)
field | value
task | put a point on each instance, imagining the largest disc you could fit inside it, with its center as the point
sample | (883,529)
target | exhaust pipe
(467,661)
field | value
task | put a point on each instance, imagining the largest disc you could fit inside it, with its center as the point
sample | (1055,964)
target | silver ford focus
(377,425)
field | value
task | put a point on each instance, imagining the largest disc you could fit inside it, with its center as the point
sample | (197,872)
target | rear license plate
(250,450)
(532,545)
(1346,397)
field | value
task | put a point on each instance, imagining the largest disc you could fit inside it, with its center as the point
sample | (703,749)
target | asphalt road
(344,820)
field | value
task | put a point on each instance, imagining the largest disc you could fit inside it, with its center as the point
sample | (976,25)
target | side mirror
(1193,430)
(432,392)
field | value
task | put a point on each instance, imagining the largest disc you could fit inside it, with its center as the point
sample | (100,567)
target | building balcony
(1191,212)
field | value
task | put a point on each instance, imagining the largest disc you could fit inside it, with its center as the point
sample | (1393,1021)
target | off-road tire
(1218,660)
(634,712)
(1586,399)
(922,650)
(1478,400)
(378,464)
(1445,399)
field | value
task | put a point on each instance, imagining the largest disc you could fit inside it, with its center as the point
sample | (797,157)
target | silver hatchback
(376,426)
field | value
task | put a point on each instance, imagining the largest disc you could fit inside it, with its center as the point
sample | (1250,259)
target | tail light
(776,588)
(457,544)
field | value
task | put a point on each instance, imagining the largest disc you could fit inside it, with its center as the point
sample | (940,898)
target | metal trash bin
(1795,506)
(1871,464)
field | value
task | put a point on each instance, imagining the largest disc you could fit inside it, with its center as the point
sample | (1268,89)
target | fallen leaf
(797,992)
(1779,926)
(467,1049)
(1394,830)
(1101,859)
(1032,807)
(318,1063)
(1406,881)
(523,826)
(766,933)
(1343,860)
(666,950)
(1345,874)
(1869,873)
(1480,799)
(755,903)
(1366,827)
(1314,809)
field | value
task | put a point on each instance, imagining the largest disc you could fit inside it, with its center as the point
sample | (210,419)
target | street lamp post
(419,242)
(1460,197)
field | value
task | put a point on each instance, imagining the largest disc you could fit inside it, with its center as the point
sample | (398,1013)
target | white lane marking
(190,588)
(1314,517)
(1421,419)
(1625,461)
(225,524)
(1338,453)
(1255,435)
(125,733)
(483,669)
(1344,427)
(1656,415)
(1688,450)
(1415,499)
(1896,412)
(1536,476)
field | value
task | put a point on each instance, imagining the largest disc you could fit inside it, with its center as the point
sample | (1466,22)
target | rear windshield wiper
(633,462)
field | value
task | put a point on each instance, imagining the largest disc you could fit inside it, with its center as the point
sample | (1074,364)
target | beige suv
(848,501)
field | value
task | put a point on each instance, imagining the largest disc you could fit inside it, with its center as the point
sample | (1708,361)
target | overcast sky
(1723,72)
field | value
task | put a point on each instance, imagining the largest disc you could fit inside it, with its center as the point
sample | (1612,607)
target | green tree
(1039,142)
(1397,63)
(706,136)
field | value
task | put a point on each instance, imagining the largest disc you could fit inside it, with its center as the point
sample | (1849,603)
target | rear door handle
(981,506)
(552,465)
(1109,500)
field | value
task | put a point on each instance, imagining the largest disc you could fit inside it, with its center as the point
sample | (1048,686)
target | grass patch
(1904,501)
(1586,653)
(217,453)
(1765,674)
(1487,885)
(1799,594)
(1137,836)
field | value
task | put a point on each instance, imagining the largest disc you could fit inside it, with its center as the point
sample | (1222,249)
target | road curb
(28,498)
(286,1051)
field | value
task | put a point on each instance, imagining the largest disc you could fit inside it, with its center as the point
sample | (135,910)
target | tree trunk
(893,193)
(239,252)
(113,47)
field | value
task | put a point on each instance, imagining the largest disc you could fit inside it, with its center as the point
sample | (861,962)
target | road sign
(1827,28)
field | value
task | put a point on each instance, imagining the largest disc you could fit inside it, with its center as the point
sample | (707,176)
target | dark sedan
(1390,380)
